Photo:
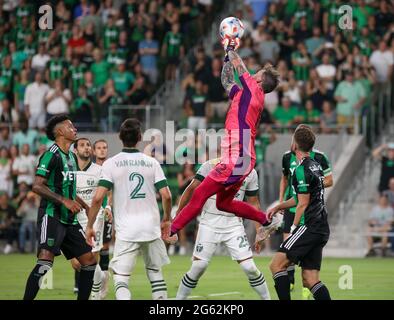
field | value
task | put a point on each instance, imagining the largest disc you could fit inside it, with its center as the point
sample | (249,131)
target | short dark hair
(80,139)
(130,132)
(52,123)
(271,78)
(304,138)
(99,140)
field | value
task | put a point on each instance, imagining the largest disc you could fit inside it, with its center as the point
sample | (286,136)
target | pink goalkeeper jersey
(238,156)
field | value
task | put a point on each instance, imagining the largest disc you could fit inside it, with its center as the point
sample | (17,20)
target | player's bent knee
(46,255)
(87,259)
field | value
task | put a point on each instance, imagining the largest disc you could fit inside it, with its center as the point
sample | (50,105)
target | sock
(159,287)
(122,291)
(207,188)
(96,283)
(104,260)
(256,279)
(290,272)
(190,279)
(320,291)
(76,278)
(282,285)
(86,281)
(35,278)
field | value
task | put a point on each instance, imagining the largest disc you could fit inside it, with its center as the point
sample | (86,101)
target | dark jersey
(308,179)
(59,169)
(289,163)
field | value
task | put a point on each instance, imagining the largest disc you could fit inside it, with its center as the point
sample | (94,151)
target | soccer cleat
(306,294)
(264,231)
(75,290)
(104,285)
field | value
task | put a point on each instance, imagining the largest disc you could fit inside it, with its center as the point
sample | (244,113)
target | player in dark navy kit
(58,227)
(305,244)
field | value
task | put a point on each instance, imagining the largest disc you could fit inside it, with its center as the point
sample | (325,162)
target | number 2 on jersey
(140,181)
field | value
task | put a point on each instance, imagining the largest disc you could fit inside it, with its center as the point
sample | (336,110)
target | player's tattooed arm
(40,187)
(227,76)
(237,62)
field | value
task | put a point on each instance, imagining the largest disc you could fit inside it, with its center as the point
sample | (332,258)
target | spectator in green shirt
(21,82)
(285,114)
(350,96)
(310,115)
(173,50)
(123,79)
(100,69)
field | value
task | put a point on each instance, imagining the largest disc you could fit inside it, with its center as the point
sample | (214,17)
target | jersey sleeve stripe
(161,184)
(106,184)
(199,177)
(251,193)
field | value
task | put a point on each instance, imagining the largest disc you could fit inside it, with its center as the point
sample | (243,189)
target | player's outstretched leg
(159,287)
(205,190)
(35,279)
(190,279)
(225,202)
(256,278)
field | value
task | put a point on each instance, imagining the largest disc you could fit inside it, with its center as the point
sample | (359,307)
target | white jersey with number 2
(134,178)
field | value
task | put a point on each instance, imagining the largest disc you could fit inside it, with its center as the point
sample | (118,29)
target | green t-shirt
(310,117)
(76,77)
(56,68)
(301,72)
(4,86)
(283,116)
(352,92)
(174,43)
(361,15)
(111,34)
(122,81)
(100,72)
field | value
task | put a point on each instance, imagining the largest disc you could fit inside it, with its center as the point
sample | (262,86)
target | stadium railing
(117,113)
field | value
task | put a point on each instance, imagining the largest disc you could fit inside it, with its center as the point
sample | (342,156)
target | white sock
(190,279)
(96,283)
(256,279)
(159,287)
(122,291)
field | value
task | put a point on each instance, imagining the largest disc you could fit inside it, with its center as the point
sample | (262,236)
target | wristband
(108,207)
(292,228)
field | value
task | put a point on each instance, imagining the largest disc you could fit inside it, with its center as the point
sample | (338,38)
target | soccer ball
(231,27)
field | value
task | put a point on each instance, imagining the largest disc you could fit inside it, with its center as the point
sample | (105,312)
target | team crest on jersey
(90,182)
(199,247)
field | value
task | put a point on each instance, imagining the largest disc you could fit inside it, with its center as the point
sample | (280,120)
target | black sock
(76,278)
(290,272)
(34,280)
(86,281)
(282,285)
(104,260)
(320,291)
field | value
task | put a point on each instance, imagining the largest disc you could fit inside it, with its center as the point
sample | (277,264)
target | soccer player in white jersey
(88,176)
(100,152)
(134,178)
(218,227)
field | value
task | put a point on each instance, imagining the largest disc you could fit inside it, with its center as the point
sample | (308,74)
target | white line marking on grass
(211,295)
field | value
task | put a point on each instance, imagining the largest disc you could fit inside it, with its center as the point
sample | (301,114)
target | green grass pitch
(372,279)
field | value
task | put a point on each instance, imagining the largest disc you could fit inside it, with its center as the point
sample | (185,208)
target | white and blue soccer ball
(231,27)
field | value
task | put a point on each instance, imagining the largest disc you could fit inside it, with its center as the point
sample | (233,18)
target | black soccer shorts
(305,247)
(107,232)
(58,238)
(288,219)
